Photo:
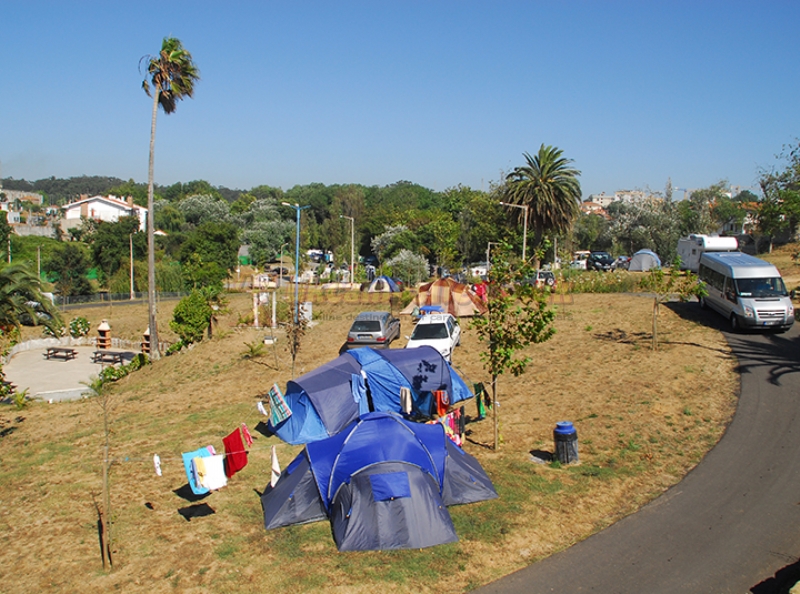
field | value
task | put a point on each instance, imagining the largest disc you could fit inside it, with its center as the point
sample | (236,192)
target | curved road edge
(728,526)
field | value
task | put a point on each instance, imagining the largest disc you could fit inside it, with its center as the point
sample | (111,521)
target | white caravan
(749,292)
(691,248)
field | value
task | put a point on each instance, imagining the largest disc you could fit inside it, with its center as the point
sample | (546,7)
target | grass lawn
(643,418)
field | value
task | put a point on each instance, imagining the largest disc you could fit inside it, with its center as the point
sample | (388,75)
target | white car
(439,330)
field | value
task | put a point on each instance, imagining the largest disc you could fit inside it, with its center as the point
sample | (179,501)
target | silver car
(373,328)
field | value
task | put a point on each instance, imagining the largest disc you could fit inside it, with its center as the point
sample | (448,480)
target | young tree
(666,286)
(517,316)
(173,75)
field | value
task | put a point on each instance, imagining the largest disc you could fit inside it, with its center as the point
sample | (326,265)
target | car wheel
(551,282)
(703,304)
(735,325)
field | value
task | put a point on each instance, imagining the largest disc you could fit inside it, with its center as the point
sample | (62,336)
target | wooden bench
(65,353)
(101,356)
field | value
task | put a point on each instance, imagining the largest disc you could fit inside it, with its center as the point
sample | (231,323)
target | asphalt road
(732,525)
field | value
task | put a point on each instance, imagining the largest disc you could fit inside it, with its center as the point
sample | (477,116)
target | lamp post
(130,239)
(488,247)
(280,272)
(352,246)
(297,208)
(524,227)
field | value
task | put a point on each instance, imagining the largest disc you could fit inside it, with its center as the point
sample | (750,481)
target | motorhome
(691,248)
(748,292)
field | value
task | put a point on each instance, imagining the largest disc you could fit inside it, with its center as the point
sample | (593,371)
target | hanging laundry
(358,388)
(157,464)
(191,473)
(235,454)
(261,409)
(479,400)
(276,468)
(406,401)
(442,402)
(247,437)
(211,472)
(279,409)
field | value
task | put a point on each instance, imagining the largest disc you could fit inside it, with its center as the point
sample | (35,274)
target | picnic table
(103,356)
(65,353)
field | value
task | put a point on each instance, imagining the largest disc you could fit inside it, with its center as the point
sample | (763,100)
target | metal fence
(61,300)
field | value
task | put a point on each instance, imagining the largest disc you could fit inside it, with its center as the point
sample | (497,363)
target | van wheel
(703,304)
(735,326)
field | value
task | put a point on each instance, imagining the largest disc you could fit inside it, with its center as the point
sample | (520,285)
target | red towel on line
(235,454)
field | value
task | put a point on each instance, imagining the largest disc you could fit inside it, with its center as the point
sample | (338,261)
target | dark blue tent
(383,482)
(325,400)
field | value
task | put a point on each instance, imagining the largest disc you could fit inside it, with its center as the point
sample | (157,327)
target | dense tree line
(405,224)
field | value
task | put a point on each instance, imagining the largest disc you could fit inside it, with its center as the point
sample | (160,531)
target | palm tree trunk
(151,250)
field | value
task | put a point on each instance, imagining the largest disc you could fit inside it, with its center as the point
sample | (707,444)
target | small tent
(383,284)
(456,298)
(383,482)
(644,260)
(361,380)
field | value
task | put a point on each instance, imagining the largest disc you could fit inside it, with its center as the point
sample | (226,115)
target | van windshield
(761,287)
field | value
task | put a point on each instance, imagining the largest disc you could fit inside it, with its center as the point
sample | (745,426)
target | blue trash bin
(566,441)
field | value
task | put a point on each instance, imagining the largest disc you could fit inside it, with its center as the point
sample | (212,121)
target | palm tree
(172,74)
(549,187)
(21,300)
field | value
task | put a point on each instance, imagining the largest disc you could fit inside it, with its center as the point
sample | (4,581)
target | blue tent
(383,482)
(383,284)
(325,400)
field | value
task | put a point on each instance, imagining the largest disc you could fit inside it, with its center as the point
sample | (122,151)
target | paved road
(730,526)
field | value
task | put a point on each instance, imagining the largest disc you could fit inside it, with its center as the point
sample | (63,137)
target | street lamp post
(280,272)
(130,238)
(297,208)
(489,247)
(352,246)
(524,227)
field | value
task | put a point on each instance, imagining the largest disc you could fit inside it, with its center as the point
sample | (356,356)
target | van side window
(712,277)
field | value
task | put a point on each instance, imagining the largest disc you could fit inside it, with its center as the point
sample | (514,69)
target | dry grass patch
(644,419)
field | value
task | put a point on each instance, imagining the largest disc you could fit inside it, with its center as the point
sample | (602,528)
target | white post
(255,309)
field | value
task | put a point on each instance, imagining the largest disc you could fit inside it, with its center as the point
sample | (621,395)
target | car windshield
(761,287)
(366,326)
(429,332)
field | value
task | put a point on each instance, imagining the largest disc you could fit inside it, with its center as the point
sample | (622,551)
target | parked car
(373,328)
(543,278)
(439,330)
(600,261)
(622,262)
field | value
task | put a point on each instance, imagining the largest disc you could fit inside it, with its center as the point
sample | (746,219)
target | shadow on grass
(185,492)
(776,352)
(196,511)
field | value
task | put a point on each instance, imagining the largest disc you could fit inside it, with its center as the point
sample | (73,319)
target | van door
(729,302)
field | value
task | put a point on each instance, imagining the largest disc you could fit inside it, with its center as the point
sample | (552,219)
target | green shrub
(590,281)
(191,317)
(79,327)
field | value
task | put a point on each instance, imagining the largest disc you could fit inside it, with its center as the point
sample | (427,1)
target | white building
(102,208)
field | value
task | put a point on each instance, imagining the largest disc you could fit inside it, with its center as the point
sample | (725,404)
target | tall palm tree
(549,187)
(172,74)
(21,300)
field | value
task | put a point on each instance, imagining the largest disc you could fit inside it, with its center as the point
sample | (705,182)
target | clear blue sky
(373,92)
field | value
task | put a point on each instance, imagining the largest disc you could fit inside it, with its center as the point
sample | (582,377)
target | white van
(747,291)
(691,248)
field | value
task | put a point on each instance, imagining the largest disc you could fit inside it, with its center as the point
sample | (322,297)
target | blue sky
(436,93)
